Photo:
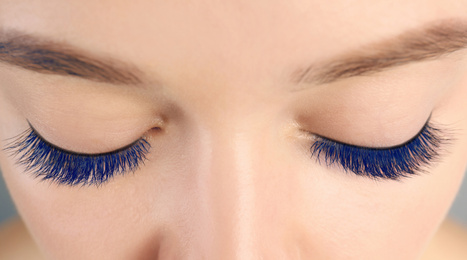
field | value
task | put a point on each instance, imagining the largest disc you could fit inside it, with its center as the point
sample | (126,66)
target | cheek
(89,224)
(373,220)
(119,220)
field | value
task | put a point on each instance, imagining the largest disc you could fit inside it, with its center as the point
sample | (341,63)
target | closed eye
(383,163)
(50,162)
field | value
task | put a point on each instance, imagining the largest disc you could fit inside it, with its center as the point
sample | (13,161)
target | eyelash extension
(393,163)
(63,167)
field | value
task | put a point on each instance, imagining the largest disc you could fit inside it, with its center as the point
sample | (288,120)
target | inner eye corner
(304,133)
(156,129)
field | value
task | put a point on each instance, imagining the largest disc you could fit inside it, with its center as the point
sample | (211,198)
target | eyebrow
(428,42)
(51,57)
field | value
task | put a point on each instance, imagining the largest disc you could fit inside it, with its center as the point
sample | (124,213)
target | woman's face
(231,95)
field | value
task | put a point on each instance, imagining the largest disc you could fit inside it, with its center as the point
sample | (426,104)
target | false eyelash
(386,163)
(50,162)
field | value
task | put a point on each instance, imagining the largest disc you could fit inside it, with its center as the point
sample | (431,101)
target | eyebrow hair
(51,57)
(428,42)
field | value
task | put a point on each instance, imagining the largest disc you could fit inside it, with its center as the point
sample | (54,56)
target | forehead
(228,38)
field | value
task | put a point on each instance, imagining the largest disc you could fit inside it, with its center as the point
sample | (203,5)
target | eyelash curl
(49,162)
(393,163)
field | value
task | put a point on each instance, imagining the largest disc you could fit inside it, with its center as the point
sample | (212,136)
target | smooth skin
(229,175)
(448,242)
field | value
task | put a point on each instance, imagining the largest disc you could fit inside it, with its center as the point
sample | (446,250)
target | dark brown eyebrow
(428,42)
(51,57)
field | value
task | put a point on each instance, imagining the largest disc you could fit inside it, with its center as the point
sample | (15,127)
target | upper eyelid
(425,126)
(49,162)
(126,147)
(407,159)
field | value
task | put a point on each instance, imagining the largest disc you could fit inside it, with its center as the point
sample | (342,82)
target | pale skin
(229,175)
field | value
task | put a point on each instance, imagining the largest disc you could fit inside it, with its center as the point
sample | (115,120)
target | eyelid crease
(126,147)
(427,124)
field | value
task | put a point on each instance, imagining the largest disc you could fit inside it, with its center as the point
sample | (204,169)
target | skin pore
(229,94)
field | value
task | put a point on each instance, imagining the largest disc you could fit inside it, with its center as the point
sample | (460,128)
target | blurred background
(458,210)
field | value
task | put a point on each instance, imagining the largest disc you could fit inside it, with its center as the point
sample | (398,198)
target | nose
(241,198)
(232,193)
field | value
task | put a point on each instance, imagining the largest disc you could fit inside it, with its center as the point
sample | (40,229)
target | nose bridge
(235,177)
(228,187)
(242,197)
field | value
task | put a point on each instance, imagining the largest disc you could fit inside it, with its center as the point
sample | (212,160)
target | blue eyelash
(50,162)
(387,163)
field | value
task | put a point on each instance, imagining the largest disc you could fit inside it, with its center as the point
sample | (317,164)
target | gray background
(458,210)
